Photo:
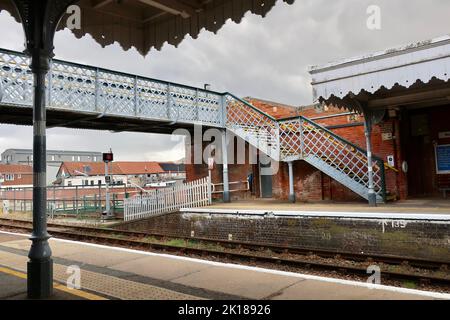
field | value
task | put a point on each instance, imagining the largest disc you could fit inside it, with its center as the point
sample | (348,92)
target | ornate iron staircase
(299,138)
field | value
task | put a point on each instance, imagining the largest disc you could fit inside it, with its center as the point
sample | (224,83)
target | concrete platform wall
(409,238)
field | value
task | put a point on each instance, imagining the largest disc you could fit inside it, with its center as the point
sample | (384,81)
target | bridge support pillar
(368,133)
(226,183)
(39,21)
(291,182)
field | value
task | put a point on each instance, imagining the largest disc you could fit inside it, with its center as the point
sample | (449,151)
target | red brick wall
(311,184)
(421,239)
(236,172)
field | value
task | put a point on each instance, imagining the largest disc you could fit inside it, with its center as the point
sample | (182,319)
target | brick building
(310,184)
(15,176)
(121,173)
(380,131)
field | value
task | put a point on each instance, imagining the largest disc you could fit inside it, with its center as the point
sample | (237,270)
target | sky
(266,58)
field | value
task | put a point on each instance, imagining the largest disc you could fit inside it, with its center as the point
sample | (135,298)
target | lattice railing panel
(81,88)
(253,126)
(116,93)
(152,99)
(16,81)
(344,157)
(72,87)
(291,138)
(209,107)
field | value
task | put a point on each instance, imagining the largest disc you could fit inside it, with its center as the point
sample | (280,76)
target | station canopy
(411,76)
(147,24)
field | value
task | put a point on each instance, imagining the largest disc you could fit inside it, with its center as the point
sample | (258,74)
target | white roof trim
(404,66)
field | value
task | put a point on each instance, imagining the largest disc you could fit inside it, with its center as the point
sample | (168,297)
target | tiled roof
(119,167)
(276,110)
(139,167)
(15,168)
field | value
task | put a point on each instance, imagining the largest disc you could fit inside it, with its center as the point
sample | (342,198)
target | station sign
(444,135)
(443,159)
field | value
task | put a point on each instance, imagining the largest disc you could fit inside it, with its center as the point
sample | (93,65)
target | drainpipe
(226,184)
(291,182)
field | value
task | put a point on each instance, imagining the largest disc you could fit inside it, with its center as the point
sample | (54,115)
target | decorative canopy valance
(146,24)
(404,67)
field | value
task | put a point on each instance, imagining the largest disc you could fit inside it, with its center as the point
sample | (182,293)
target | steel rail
(125,239)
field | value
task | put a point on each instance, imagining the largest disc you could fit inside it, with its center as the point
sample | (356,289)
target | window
(92,182)
(9,177)
(19,176)
(53,158)
(69,183)
(79,158)
(95,159)
(73,158)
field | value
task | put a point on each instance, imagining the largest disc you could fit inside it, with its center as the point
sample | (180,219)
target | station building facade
(310,184)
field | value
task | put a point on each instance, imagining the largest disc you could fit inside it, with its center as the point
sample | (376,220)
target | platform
(413,206)
(118,273)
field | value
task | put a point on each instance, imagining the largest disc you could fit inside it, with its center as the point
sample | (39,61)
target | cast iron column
(40,266)
(39,20)
(226,183)
(291,182)
(368,133)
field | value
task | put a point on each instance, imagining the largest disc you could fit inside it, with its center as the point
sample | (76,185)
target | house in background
(121,172)
(54,159)
(15,176)
(172,171)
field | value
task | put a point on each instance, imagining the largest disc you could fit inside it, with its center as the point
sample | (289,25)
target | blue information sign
(443,159)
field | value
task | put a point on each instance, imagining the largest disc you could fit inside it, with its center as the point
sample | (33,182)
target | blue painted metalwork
(87,89)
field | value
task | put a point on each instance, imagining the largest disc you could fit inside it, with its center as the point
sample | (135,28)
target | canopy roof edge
(405,67)
(147,24)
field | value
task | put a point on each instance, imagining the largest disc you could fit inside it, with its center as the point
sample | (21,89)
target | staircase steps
(321,148)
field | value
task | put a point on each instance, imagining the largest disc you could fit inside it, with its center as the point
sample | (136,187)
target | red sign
(108,157)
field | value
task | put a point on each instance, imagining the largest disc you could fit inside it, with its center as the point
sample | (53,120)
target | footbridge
(81,96)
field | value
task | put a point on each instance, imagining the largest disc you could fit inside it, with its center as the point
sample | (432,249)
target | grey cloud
(261,57)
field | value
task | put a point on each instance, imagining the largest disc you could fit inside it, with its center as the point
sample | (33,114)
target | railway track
(429,273)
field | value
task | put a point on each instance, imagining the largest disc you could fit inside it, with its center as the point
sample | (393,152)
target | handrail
(250,106)
(331,133)
(87,66)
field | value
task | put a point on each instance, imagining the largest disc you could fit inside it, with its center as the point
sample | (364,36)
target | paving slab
(8,237)
(160,267)
(245,283)
(13,260)
(22,244)
(100,283)
(11,286)
(101,257)
(320,290)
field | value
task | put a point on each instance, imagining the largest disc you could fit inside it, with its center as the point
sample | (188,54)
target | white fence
(160,201)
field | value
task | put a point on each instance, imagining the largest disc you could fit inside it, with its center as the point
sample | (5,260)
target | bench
(444,191)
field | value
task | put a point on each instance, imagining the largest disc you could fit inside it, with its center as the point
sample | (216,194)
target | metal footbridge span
(81,96)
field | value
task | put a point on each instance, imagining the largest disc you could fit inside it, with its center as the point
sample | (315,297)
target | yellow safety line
(57,286)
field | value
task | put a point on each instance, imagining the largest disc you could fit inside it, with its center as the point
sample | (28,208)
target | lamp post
(107,158)
(39,22)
